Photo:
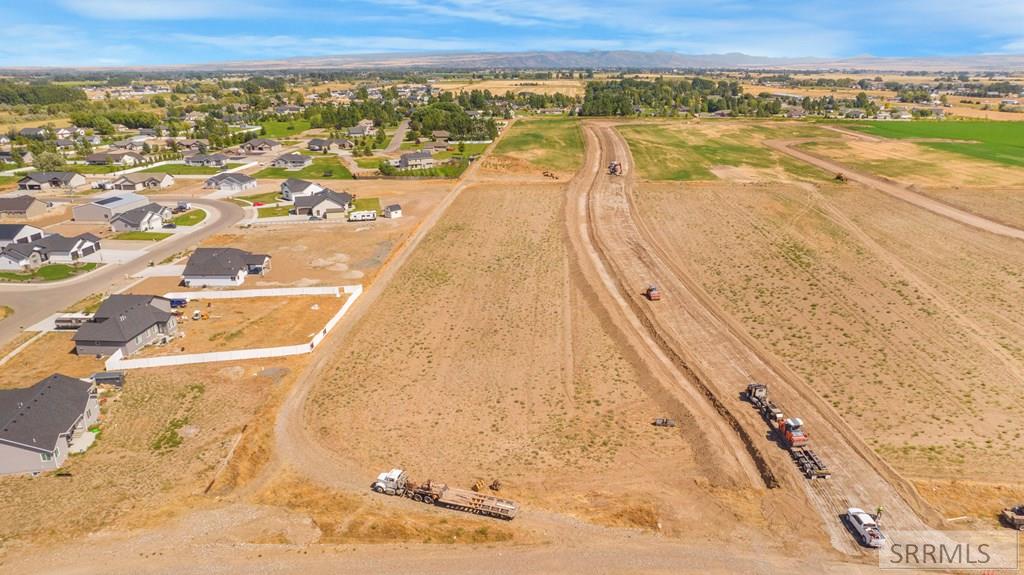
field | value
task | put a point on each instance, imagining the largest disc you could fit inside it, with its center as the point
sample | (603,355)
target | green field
(266,197)
(183,170)
(329,168)
(548,143)
(91,169)
(663,153)
(362,204)
(370,162)
(190,218)
(8,180)
(48,273)
(1001,142)
(276,129)
(452,170)
(273,211)
(141,236)
(471,150)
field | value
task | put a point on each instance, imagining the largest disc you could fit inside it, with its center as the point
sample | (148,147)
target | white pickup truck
(865,527)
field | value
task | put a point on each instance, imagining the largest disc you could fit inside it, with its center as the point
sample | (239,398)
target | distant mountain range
(602,60)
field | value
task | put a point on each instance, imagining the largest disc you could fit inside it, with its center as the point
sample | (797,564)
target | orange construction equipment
(792,432)
(652,293)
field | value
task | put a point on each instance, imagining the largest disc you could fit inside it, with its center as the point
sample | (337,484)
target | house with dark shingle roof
(22,207)
(231,182)
(143,181)
(141,219)
(212,160)
(40,425)
(126,323)
(222,267)
(36,181)
(261,145)
(324,204)
(325,144)
(126,158)
(57,248)
(34,133)
(292,161)
(20,257)
(415,160)
(19,234)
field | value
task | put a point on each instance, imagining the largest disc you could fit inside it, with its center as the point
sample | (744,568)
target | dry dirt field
(567,87)
(904,321)
(53,352)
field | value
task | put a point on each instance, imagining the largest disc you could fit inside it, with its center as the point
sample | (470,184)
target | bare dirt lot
(52,352)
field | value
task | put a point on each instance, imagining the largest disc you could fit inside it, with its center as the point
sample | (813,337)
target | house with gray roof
(119,158)
(293,188)
(141,219)
(39,181)
(292,161)
(105,208)
(21,207)
(34,133)
(324,204)
(126,323)
(222,267)
(415,160)
(40,425)
(257,145)
(19,234)
(21,257)
(231,182)
(326,144)
(14,156)
(140,181)
(209,161)
(57,248)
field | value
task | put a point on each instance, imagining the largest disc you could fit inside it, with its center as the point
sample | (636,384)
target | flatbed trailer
(396,482)
(803,456)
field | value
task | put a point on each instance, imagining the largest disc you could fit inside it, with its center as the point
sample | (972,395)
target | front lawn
(273,211)
(266,198)
(8,180)
(184,170)
(190,218)
(370,163)
(447,170)
(471,150)
(93,169)
(329,168)
(48,273)
(366,204)
(142,236)
(278,129)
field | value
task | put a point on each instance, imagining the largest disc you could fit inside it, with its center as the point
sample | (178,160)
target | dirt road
(897,190)
(723,359)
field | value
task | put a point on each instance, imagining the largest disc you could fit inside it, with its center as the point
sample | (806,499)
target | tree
(49,162)
(862,100)
(462,148)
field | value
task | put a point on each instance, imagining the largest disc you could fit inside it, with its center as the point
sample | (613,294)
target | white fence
(117,361)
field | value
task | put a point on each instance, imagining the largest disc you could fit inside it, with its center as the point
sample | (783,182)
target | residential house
(321,144)
(441,135)
(126,323)
(143,181)
(141,219)
(19,234)
(93,140)
(210,161)
(104,209)
(57,248)
(287,109)
(40,425)
(415,160)
(324,204)
(69,132)
(39,181)
(14,156)
(292,161)
(4,140)
(18,257)
(231,182)
(436,146)
(22,207)
(129,145)
(120,158)
(34,133)
(260,145)
(188,145)
(393,211)
(151,132)
(362,131)
(293,188)
(222,267)
(65,144)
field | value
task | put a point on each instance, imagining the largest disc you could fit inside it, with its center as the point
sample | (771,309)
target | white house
(142,219)
(295,188)
(230,182)
(143,181)
(19,234)
(103,209)
(222,267)
(292,161)
(393,211)
(324,204)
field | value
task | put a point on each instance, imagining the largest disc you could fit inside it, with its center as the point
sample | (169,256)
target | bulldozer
(615,168)
(840,177)
(652,293)
(1013,517)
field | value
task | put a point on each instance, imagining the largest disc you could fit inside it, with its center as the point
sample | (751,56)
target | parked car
(170,225)
(865,527)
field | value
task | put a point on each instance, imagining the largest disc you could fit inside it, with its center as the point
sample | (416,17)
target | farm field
(718,149)
(322,168)
(539,143)
(1001,142)
(567,87)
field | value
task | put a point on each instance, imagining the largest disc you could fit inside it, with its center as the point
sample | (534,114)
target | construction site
(605,354)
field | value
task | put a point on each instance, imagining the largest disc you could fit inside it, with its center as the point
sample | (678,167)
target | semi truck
(397,482)
(790,433)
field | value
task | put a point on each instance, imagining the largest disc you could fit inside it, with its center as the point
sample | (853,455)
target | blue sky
(137,32)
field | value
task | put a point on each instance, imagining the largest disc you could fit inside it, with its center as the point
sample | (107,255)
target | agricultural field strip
(713,344)
(117,361)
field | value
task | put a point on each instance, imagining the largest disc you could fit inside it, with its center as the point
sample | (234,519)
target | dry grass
(567,87)
(51,353)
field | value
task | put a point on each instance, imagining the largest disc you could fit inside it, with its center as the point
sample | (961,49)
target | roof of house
(340,198)
(294,158)
(297,186)
(10,231)
(262,142)
(32,131)
(112,202)
(393,208)
(17,203)
(230,176)
(140,177)
(60,243)
(36,416)
(135,216)
(215,262)
(206,158)
(121,317)
(420,155)
(18,252)
(42,177)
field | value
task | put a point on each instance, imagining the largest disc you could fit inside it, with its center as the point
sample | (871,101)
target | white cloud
(281,46)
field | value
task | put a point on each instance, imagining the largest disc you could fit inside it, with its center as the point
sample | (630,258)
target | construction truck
(1013,517)
(652,293)
(790,431)
(615,168)
(397,482)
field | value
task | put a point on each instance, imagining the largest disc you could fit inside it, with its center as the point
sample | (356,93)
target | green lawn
(48,273)
(471,150)
(548,143)
(8,180)
(90,169)
(266,198)
(329,168)
(367,204)
(190,218)
(276,129)
(141,236)
(370,162)
(273,211)
(183,170)
(1001,142)
(452,170)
